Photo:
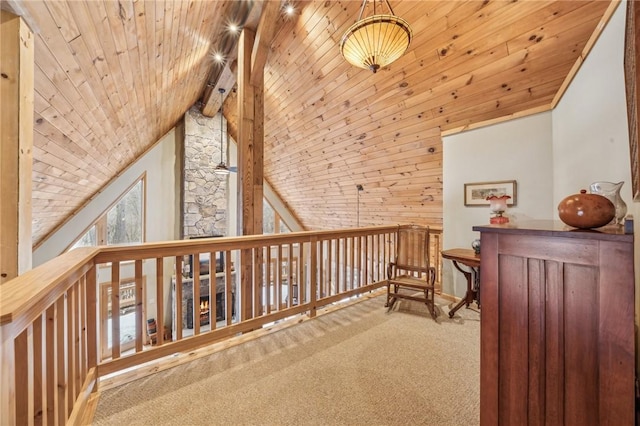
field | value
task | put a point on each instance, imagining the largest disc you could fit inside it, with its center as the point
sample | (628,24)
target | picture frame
(476,193)
(631,59)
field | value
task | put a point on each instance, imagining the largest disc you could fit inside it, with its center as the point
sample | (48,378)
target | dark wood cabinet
(557,331)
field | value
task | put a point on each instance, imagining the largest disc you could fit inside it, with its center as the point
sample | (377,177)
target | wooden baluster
(213,288)
(323,269)
(302,282)
(377,252)
(351,269)
(75,345)
(160,299)
(38,366)
(344,263)
(338,268)
(178,301)
(21,375)
(196,295)
(115,310)
(141,324)
(50,367)
(290,276)
(82,326)
(71,347)
(313,267)
(269,277)
(278,289)
(60,351)
(228,288)
(255,288)
(329,270)
(358,250)
(374,265)
(365,252)
(92,318)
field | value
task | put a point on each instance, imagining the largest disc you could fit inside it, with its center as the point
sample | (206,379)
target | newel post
(16,135)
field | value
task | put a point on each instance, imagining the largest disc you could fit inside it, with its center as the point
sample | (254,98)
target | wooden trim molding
(631,58)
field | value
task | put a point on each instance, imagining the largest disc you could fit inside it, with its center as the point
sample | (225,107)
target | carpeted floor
(360,365)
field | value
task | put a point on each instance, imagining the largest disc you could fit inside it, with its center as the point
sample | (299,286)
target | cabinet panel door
(557,331)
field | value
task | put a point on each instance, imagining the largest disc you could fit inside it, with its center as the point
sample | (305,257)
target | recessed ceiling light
(218,57)
(289,9)
(233,28)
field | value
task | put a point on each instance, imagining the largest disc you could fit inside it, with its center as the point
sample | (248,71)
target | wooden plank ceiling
(112,77)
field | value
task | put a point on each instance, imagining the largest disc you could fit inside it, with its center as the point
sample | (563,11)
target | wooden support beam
(247,15)
(226,81)
(16,124)
(257,156)
(264,37)
(246,224)
(246,117)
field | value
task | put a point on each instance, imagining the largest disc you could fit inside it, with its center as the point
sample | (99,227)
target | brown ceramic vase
(586,211)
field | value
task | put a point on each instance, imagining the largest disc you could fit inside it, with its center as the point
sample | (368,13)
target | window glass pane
(124,220)
(87,240)
(268,217)
(284,229)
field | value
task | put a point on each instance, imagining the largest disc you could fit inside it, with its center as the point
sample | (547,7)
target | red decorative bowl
(586,211)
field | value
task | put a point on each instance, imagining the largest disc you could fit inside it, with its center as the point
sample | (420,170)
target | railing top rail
(32,287)
(202,245)
(38,286)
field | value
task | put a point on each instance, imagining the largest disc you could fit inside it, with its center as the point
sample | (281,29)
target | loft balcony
(96,312)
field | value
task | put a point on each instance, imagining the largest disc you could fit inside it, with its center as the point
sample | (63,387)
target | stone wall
(204,192)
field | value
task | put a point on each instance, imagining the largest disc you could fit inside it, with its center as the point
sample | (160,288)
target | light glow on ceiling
(289,9)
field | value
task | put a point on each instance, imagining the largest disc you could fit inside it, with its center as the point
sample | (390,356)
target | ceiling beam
(247,15)
(226,81)
(264,37)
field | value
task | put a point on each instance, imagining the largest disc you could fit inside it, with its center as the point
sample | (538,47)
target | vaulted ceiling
(112,77)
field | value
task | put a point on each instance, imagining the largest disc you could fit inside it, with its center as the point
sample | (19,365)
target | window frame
(101,222)
(277,219)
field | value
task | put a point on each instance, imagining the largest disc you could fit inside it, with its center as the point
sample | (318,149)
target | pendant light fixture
(221,168)
(375,42)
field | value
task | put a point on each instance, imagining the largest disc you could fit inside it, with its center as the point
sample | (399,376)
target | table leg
(470,296)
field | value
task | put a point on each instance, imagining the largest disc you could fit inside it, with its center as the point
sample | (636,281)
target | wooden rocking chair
(411,269)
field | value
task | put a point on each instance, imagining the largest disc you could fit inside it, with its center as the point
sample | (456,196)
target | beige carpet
(357,366)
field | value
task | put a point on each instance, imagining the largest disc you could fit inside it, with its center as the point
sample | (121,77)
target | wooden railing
(51,318)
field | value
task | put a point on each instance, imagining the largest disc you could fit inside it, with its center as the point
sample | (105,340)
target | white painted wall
(515,150)
(590,133)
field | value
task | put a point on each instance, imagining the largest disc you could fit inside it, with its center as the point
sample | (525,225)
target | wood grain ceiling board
(330,126)
(112,77)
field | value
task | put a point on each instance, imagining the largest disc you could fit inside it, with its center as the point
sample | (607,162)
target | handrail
(31,289)
(54,331)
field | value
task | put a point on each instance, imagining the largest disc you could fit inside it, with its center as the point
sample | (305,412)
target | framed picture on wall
(475,194)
